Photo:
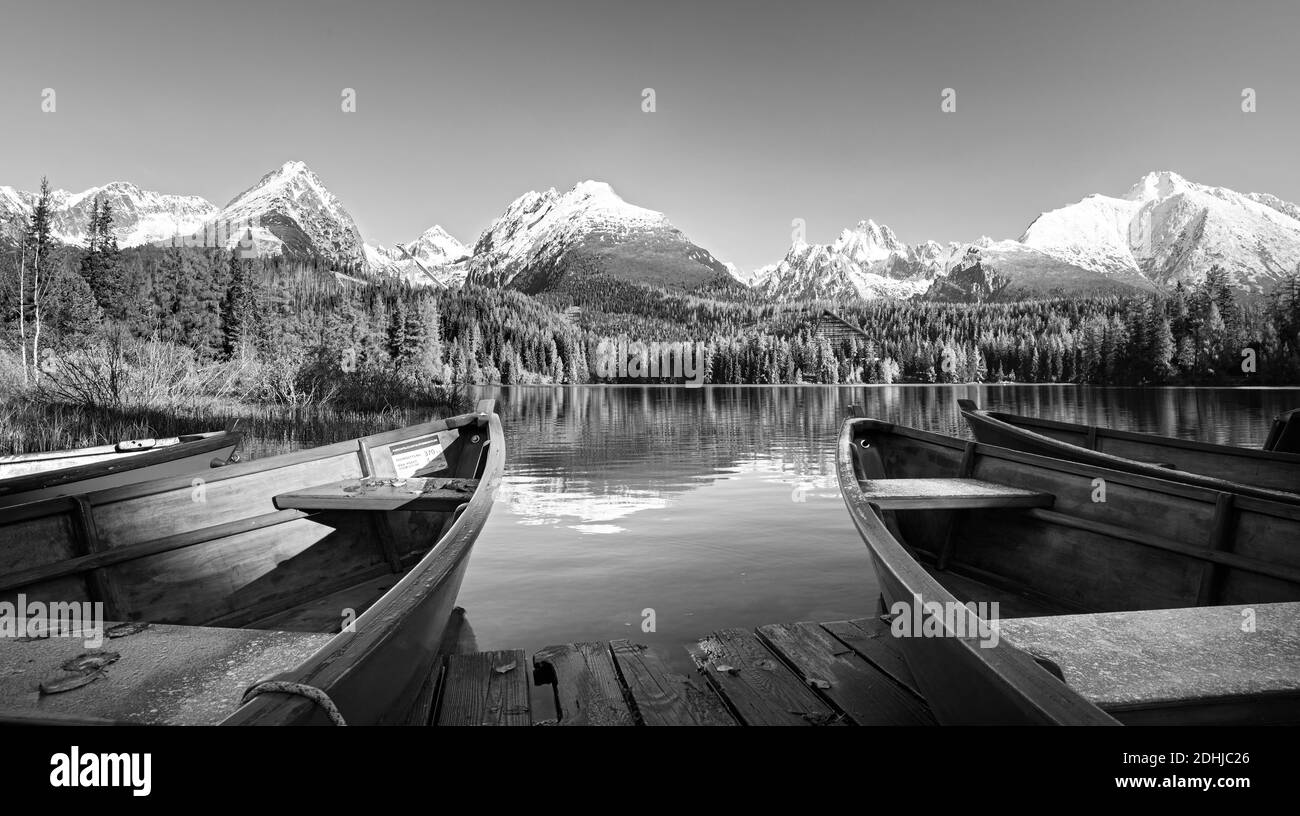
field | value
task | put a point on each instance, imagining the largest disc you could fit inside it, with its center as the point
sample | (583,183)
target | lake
(718,507)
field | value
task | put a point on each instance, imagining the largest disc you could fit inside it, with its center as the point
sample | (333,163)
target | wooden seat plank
(586,684)
(758,686)
(381,494)
(485,688)
(948,494)
(663,697)
(864,693)
(1163,660)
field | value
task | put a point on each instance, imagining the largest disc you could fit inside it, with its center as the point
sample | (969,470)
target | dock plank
(870,639)
(586,684)
(485,688)
(757,685)
(852,684)
(663,697)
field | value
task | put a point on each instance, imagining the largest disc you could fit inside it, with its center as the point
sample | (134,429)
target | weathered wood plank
(948,494)
(1256,565)
(757,685)
(663,697)
(99,582)
(1220,541)
(853,685)
(1174,661)
(586,684)
(870,639)
(485,688)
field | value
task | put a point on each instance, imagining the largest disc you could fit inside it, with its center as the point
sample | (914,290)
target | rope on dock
(312,693)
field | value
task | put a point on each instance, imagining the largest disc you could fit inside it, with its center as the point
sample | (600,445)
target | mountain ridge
(1163,230)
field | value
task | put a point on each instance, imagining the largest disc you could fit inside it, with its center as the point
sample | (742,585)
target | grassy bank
(108,393)
(27,426)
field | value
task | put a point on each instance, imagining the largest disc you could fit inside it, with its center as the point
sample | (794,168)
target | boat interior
(221,578)
(1069,550)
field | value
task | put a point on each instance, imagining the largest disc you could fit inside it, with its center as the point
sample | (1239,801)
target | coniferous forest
(167,327)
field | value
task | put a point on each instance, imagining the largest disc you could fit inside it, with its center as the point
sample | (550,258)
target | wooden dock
(838,673)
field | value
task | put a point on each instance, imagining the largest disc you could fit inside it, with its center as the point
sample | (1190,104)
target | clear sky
(766,111)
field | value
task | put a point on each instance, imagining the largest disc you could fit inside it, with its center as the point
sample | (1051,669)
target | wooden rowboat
(1247,472)
(28,477)
(31,477)
(313,587)
(1139,601)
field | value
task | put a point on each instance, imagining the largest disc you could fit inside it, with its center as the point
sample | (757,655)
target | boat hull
(1262,474)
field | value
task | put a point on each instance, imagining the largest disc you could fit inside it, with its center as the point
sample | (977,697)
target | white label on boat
(409,457)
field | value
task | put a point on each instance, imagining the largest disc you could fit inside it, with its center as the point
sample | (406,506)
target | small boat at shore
(27,477)
(309,588)
(1262,473)
(1121,597)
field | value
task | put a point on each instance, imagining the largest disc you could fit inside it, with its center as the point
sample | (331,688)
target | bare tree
(22,305)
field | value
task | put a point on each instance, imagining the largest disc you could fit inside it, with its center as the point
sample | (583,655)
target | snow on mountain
(290,211)
(867,261)
(548,239)
(1168,229)
(443,258)
(139,216)
(1165,229)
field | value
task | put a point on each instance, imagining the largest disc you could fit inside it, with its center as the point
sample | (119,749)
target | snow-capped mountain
(549,239)
(1165,229)
(290,211)
(867,261)
(1169,229)
(435,253)
(139,216)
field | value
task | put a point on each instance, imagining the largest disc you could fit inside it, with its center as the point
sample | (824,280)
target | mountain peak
(591,187)
(1158,184)
(293,167)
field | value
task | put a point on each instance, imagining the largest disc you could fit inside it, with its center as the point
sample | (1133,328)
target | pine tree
(238,308)
(102,265)
(1162,351)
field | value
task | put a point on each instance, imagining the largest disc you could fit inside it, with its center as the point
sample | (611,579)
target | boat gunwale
(1019,420)
(123,462)
(107,450)
(1024,680)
